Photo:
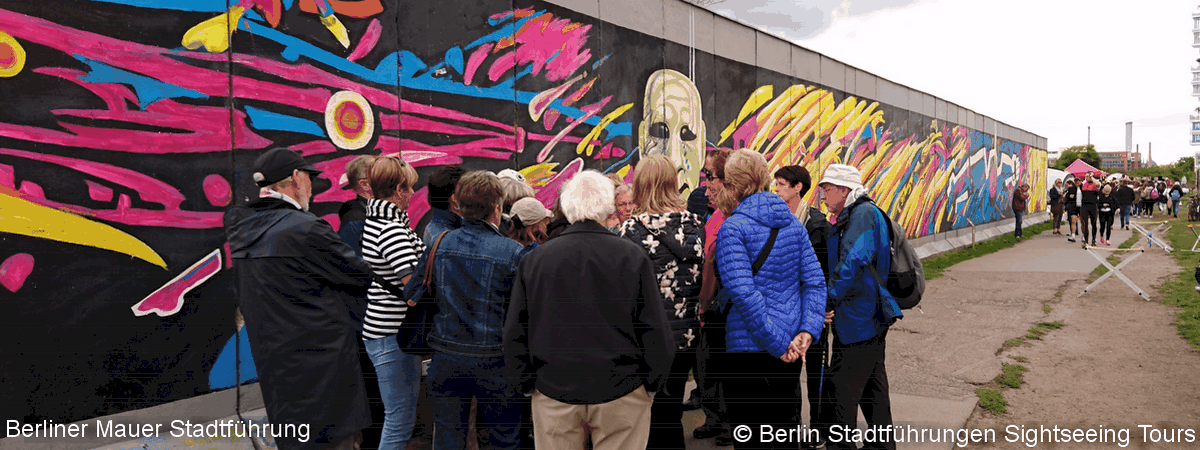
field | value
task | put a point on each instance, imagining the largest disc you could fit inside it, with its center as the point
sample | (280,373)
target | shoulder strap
(766,250)
(429,264)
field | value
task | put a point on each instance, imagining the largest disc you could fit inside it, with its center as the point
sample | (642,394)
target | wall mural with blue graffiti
(129,126)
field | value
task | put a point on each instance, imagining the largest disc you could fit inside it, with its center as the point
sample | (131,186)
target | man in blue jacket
(857,377)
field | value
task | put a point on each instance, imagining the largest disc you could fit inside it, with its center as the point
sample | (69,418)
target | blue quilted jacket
(788,294)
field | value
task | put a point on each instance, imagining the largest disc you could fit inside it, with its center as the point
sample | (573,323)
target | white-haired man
(584,334)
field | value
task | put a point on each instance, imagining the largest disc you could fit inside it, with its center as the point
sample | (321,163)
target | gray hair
(588,196)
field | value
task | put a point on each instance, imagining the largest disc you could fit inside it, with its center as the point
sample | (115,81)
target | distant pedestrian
(1056,205)
(712,332)
(1019,196)
(1125,200)
(592,350)
(860,241)
(1070,204)
(1089,194)
(1107,207)
(1149,198)
(1175,194)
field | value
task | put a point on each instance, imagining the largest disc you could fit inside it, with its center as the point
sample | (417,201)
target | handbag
(412,338)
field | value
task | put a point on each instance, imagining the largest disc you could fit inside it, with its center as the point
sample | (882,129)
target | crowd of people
(574,326)
(1092,205)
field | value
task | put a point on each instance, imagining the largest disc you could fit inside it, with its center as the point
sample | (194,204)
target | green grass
(1046,308)
(1011,375)
(992,400)
(935,265)
(1041,328)
(1179,289)
(1013,343)
(1019,359)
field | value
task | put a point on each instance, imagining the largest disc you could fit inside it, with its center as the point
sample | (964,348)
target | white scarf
(273,194)
(855,194)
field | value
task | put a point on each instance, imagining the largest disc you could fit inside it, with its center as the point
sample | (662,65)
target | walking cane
(826,357)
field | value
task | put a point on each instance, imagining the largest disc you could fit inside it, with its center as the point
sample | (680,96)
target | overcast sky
(1050,67)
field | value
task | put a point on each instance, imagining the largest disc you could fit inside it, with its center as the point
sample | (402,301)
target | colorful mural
(130,125)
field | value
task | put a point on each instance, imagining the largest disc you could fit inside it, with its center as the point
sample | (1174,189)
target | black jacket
(818,227)
(1108,202)
(1124,195)
(297,282)
(1054,195)
(584,324)
(678,275)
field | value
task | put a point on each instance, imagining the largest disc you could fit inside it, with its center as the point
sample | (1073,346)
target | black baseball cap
(277,164)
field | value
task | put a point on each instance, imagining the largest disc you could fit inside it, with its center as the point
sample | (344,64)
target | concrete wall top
(806,64)
(773,53)
(738,41)
(833,73)
(643,16)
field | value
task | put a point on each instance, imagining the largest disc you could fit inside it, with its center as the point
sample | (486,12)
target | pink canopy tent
(1079,168)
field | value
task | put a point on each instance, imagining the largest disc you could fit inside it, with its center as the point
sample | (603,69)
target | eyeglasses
(710,175)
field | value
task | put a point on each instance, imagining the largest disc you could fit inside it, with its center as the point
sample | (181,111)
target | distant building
(1195,120)
(1052,157)
(1123,161)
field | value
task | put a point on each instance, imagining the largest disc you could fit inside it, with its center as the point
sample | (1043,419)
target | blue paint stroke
(267,120)
(223,373)
(177,5)
(505,32)
(148,89)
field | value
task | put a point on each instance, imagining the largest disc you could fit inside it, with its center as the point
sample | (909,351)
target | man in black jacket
(1125,200)
(586,334)
(297,282)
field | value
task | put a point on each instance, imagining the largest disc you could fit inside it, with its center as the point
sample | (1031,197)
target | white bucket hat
(529,211)
(842,175)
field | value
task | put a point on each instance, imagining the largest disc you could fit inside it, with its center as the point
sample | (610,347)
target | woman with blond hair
(775,298)
(674,240)
(392,248)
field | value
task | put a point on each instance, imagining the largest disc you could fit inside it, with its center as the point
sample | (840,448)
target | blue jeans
(1019,214)
(1125,216)
(399,385)
(452,381)
(1175,208)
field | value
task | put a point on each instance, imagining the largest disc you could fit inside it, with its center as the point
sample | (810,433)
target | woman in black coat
(1056,206)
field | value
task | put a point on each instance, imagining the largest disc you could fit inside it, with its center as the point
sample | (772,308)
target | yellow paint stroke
(760,97)
(214,34)
(18,216)
(586,146)
(539,174)
(18,56)
(339,31)
(624,172)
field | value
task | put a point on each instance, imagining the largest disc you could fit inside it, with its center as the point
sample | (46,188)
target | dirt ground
(1117,363)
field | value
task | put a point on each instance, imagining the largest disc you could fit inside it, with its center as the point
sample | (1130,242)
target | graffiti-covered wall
(128,126)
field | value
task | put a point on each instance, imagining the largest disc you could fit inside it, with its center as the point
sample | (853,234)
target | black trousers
(1087,213)
(710,381)
(760,392)
(666,414)
(1106,225)
(858,379)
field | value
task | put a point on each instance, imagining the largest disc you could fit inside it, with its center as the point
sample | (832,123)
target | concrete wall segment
(734,40)
(643,16)
(773,53)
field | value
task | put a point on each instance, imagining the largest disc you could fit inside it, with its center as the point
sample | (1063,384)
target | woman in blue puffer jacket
(773,312)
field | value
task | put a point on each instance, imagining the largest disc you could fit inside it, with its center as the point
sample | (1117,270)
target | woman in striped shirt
(391,246)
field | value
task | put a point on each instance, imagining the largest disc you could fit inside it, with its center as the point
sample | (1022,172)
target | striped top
(392,248)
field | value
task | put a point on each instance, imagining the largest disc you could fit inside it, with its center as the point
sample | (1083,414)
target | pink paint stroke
(314,148)
(410,108)
(99,192)
(368,41)
(539,39)
(7,177)
(208,126)
(31,189)
(475,60)
(418,206)
(168,299)
(217,189)
(14,271)
(548,193)
(333,220)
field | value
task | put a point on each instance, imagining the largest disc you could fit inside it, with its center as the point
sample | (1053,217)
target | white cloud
(1050,67)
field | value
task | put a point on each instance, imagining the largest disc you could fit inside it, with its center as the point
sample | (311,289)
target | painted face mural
(673,125)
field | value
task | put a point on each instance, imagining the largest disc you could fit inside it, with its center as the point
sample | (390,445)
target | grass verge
(992,400)
(1179,289)
(991,396)
(935,265)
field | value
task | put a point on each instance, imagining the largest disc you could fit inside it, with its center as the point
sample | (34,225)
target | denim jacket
(473,277)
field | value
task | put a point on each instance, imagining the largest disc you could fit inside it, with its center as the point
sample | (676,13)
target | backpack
(906,276)
(1174,195)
